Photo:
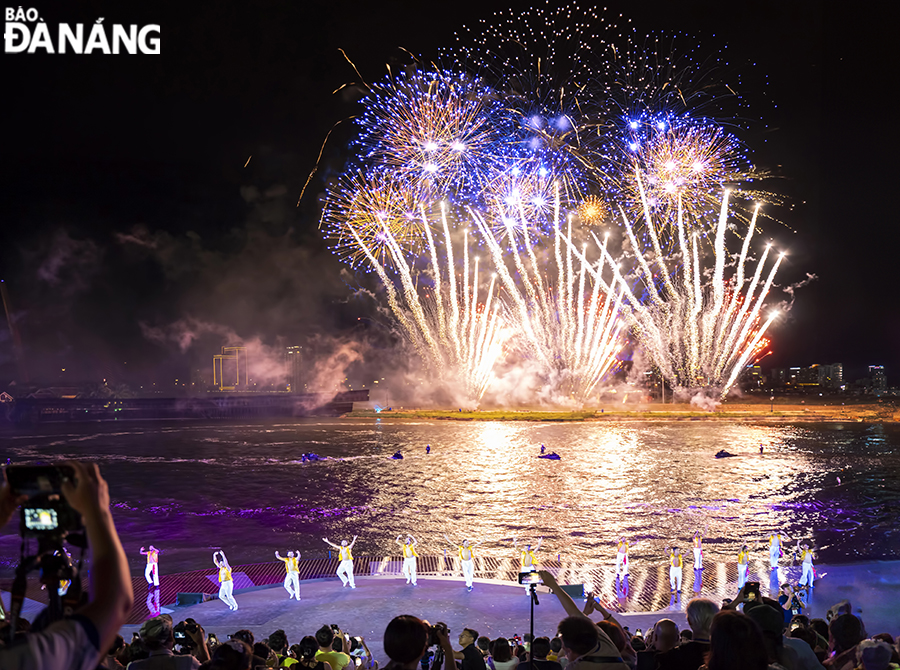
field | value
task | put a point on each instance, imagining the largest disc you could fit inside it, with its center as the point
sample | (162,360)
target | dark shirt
(472,659)
(689,656)
(542,665)
(789,610)
(646,659)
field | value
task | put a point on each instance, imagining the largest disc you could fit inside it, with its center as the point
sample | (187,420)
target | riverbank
(778,412)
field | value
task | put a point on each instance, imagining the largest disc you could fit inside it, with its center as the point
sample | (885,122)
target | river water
(190,488)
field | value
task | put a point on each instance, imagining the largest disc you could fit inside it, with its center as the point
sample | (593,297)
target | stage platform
(496,607)
(501,608)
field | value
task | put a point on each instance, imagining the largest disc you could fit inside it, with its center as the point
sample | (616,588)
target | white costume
(292,578)
(806,579)
(345,569)
(467,561)
(774,550)
(675,567)
(743,559)
(226,587)
(151,572)
(622,559)
(409,563)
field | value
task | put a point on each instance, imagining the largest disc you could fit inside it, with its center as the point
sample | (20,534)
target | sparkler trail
(700,338)
(459,338)
(575,333)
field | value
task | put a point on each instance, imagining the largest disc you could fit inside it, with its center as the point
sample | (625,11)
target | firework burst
(683,163)
(430,127)
(379,211)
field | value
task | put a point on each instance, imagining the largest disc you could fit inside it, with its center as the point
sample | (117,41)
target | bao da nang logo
(27,32)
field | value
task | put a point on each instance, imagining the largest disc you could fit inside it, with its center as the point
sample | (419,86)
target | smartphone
(751,591)
(530,578)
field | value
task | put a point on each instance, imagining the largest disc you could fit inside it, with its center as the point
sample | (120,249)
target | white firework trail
(700,336)
(458,337)
(571,327)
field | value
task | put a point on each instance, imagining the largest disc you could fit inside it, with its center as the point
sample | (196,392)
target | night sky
(130,224)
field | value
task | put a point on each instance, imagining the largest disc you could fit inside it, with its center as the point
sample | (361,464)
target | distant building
(230,369)
(831,376)
(294,367)
(808,376)
(878,376)
(752,377)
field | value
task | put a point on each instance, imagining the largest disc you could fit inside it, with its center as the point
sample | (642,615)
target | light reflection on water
(189,487)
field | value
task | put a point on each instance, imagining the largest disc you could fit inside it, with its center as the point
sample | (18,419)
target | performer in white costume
(226,583)
(292,578)
(345,569)
(466,559)
(409,558)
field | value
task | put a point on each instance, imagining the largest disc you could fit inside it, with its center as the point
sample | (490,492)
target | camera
(433,639)
(45,514)
(638,633)
(530,578)
(180,633)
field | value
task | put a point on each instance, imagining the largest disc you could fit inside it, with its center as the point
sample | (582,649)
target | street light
(772,400)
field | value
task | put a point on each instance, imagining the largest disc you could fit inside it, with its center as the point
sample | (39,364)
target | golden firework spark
(593,211)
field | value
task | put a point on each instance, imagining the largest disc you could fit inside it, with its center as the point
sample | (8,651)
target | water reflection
(655,483)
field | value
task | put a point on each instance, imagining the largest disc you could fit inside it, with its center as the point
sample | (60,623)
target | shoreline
(779,413)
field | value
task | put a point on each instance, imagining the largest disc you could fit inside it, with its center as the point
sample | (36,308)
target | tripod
(532,591)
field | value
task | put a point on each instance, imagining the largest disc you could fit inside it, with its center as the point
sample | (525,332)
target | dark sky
(130,224)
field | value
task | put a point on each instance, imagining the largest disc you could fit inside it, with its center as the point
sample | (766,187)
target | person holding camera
(408,638)
(80,641)
(226,582)
(584,644)
(158,634)
(338,660)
